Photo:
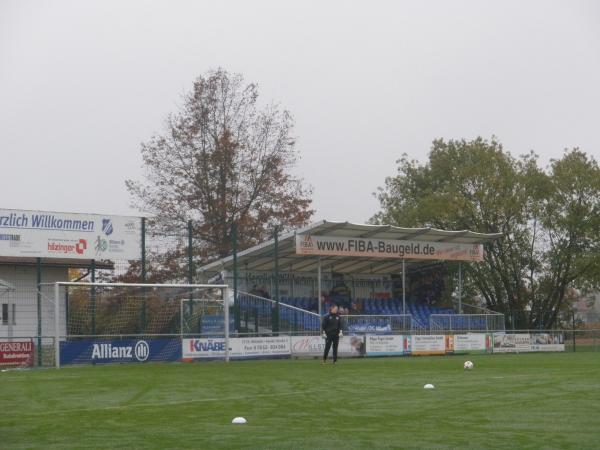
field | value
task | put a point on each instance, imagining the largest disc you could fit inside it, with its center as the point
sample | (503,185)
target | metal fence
(466,322)
(256,315)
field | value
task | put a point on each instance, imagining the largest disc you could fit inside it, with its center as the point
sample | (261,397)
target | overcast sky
(83,83)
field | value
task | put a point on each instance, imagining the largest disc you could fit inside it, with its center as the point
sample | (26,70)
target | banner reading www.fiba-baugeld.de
(307,244)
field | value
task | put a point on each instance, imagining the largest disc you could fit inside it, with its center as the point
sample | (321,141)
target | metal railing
(262,315)
(466,322)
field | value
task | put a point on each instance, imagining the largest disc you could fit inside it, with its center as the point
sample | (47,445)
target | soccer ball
(468,365)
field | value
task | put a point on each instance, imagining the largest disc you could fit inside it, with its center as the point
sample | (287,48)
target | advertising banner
(349,346)
(547,342)
(99,351)
(511,343)
(307,244)
(68,235)
(472,342)
(16,353)
(428,344)
(387,345)
(239,347)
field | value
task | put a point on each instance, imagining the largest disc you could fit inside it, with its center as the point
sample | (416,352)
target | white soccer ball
(429,386)
(468,365)
(238,420)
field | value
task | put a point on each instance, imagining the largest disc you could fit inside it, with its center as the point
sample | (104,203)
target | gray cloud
(83,83)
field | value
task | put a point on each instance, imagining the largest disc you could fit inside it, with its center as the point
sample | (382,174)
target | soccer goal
(123,322)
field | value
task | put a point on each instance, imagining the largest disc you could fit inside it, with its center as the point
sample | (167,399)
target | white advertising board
(470,342)
(67,235)
(315,345)
(512,343)
(428,344)
(385,345)
(547,342)
(238,347)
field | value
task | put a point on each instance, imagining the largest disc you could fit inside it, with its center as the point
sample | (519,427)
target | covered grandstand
(384,278)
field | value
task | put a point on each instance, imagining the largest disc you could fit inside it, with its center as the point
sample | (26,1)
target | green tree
(476,185)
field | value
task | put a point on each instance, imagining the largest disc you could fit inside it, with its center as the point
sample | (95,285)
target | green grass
(507,401)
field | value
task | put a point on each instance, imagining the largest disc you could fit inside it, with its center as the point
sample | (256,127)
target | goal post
(135,322)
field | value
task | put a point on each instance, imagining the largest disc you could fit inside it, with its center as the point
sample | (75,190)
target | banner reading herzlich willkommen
(307,244)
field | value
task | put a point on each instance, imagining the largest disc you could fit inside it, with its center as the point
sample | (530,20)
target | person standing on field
(332,331)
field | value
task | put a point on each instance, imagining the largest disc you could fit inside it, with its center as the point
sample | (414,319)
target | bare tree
(221,160)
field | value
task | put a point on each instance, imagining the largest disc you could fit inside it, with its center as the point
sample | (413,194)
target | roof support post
(319,285)
(403,287)
(275,278)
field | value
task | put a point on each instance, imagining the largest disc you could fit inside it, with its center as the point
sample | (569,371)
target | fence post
(57,325)
(38,264)
(276,280)
(236,306)
(93,296)
(190,254)
(574,344)
(143,268)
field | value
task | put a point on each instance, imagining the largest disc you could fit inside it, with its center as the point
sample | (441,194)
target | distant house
(587,308)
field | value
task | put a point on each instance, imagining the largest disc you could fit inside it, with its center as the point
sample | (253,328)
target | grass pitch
(508,401)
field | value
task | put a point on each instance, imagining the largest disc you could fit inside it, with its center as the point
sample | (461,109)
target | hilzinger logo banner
(307,244)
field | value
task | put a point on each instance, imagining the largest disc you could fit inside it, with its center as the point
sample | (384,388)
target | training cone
(238,420)
(428,386)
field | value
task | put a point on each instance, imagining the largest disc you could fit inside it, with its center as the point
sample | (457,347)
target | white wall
(24,279)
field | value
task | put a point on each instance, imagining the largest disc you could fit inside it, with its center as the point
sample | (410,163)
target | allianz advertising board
(97,351)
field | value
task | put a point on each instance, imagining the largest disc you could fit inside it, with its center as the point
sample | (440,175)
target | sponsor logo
(78,247)
(107,227)
(475,251)
(307,242)
(19,346)
(141,351)
(10,237)
(81,246)
(130,226)
(197,345)
(101,245)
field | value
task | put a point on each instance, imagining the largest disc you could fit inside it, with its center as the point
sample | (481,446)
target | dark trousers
(329,341)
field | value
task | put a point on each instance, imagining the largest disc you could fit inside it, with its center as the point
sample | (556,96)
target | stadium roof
(261,257)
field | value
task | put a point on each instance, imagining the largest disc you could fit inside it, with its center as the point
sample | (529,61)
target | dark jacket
(332,324)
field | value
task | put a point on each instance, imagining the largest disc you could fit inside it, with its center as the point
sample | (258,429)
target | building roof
(55,262)
(261,257)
